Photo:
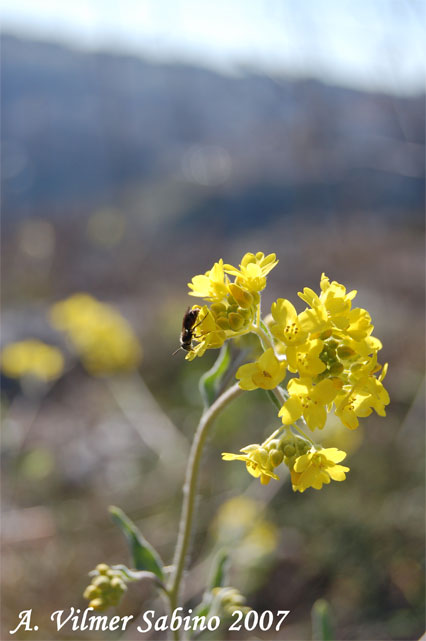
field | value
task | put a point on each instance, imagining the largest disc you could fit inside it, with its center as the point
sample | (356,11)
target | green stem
(274,435)
(263,337)
(299,429)
(190,490)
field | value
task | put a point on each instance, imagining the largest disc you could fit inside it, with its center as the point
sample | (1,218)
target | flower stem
(299,429)
(190,490)
(263,337)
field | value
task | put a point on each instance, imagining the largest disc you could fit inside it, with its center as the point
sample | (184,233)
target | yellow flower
(32,358)
(257,461)
(359,324)
(267,372)
(334,297)
(309,401)
(213,285)
(102,338)
(317,468)
(305,358)
(366,394)
(286,327)
(330,309)
(207,334)
(253,270)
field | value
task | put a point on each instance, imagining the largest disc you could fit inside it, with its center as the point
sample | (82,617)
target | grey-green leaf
(211,380)
(144,556)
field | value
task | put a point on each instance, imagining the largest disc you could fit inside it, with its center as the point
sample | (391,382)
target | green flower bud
(245,313)
(102,568)
(223,322)
(98,604)
(344,352)
(289,450)
(238,599)
(325,355)
(235,321)
(289,460)
(243,298)
(218,308)
(101,582)
(303,447)
(91,592)
(336,369)
(276,457)
(333,344)
(118,584)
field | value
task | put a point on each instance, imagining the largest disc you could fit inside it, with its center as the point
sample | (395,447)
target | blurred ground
(84,443)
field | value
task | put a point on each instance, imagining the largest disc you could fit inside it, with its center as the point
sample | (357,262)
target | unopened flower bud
(97,604)
(223,322)
(102,568)
(344,352)
(101,582)
(236,321)
(243,298)
(276,457)
(91,592)
(336,369)
(218,308)
(289,450)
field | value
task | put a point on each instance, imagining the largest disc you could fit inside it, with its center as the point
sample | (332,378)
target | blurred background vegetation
(127,170)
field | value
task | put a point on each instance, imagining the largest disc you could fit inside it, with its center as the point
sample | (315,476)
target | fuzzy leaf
(144,556)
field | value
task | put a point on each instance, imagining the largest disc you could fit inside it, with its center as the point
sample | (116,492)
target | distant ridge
(78,129)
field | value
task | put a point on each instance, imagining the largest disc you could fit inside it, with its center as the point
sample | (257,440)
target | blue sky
(373,44)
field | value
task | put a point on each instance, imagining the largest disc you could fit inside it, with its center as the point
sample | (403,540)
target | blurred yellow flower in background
(32,357)
(103,339)
(240,521)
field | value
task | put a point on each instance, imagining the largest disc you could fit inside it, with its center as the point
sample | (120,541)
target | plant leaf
(211,380)
(144,556)
(322,628)
(219,570)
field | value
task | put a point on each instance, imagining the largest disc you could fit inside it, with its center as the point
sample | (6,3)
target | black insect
(188,325)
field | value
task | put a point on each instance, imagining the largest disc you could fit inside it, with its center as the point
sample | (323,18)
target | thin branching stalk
(190,491)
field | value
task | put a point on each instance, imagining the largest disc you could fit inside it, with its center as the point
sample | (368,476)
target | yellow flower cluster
(32,358)
(234,303)
(331,348)
(327,355)
(102,338)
